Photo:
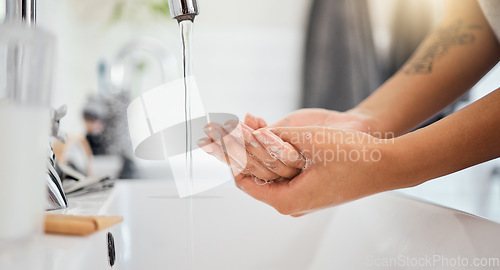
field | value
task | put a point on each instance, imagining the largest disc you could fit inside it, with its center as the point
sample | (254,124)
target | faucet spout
(23,11)
(183,9)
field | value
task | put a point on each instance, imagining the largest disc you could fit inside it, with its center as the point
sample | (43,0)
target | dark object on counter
(111,249)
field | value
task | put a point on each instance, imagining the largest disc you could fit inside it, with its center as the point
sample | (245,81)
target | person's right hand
(352,119)
(249,154)
(341,166)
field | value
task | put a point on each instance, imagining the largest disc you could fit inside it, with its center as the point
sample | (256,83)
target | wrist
(372,124)
(398,167)
(409,164)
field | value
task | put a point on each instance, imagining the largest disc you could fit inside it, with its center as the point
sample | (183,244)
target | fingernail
(207,149)
(207,129)
(202,141)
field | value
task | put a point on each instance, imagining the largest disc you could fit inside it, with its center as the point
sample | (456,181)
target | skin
(450,61)
(236,145)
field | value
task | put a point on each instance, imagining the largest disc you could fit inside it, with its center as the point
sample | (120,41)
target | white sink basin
(233,231)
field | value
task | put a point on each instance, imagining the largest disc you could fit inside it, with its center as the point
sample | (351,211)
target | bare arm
(449,62)
(463,139)
(452,59)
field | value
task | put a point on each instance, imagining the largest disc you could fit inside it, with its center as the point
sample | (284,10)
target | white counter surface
(233,231)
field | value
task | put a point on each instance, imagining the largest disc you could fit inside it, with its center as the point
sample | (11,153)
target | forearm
(463,139)
(448,63)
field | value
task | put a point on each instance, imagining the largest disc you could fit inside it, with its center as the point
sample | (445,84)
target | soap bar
(78,225)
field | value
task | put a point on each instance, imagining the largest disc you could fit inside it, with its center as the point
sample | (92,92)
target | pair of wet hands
(251,148)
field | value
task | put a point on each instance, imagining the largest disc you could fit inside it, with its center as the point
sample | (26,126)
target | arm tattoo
(438,45)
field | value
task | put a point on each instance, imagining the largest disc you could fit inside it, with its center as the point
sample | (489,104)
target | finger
(213,149)
(303,138)
(209,131)
(238,153)
(247,184)
(283,151)
(237,168)
(254,122)
(251,121)
(269,193)
(261,122)
(242,134)
(216,151)
(234,129)
(264,156)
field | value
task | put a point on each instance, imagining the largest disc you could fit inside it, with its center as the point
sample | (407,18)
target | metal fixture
(183,9)
(23,12)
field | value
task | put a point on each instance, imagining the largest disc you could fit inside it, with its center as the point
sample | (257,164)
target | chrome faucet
(21,11)
(120,91)
(125,63)
(183,9)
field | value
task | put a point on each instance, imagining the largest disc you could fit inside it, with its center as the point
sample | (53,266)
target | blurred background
(267,57)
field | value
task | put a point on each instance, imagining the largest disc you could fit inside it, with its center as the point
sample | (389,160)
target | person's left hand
(342,165)
(238,145)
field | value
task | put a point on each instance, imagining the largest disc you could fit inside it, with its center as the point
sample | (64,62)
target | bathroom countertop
(233,231)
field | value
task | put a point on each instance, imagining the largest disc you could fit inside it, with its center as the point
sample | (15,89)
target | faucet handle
(56,197)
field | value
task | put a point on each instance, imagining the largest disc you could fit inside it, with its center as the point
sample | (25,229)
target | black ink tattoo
(441,41)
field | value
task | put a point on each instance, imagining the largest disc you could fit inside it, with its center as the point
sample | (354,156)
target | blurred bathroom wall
(247,56)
